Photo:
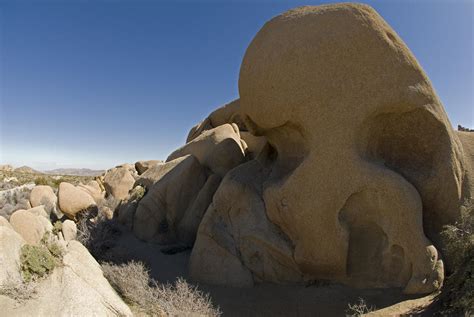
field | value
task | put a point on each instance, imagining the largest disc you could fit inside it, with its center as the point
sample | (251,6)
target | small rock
(69,230)
(30,226)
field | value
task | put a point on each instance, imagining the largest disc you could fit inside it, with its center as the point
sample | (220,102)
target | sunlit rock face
(362,169)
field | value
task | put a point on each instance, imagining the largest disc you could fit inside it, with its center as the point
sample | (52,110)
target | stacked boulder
(338,162)
(177,192)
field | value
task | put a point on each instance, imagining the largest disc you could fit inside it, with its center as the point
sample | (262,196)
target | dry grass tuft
(99,237)
(359,309)
(146,296)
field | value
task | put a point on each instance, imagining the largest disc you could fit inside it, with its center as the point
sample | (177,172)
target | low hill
(75,172)
(27,169)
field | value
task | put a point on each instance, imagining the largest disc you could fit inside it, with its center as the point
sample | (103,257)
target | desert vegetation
(146,296)
(359,308)
(457,296)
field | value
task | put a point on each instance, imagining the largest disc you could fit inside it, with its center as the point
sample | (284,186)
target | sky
(94,84)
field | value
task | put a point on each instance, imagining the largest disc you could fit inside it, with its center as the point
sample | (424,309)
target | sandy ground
(268,299)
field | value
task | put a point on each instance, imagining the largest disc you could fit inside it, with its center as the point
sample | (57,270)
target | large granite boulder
(143,166)
(118,182)
(172,198)
(219,149)
(155,173)
(44,195)
(75,288)
(229,113)
(10,248)
(236,243)
(30,226)
(93,188)
(73,200)
(364,170)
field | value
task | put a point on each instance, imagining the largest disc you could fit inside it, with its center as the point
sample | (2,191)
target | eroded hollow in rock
(416,145)
(372,259)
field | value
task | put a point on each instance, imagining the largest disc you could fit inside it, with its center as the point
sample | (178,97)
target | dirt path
(269,299)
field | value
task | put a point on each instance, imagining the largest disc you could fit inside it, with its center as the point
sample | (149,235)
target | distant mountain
(26,170)
(75,172)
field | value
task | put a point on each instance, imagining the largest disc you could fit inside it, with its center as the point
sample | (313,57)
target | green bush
(36,261)
(41,181)
(137,193)
(457,297)
(57,227)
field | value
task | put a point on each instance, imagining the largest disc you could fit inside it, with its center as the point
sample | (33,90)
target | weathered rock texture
(76,288)
(43,195)
(69,230)
(10,247)
(118,182)
(219,149)
(228,113)
(30,226)
(73,200)
(143,166)
(362,161)
(176,195)
(93,188)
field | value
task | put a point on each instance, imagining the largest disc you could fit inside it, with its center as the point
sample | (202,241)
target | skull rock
(363,159)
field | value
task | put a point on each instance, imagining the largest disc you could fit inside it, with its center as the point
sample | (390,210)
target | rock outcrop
(228,113)
(76,288)
(337,162)
(143,166)
(118,182)
(219,149)
(73,200)
(30,226)
(69,230)
(10,246)
(169,200)
(4,222)
(44,195)
(360,174)
(93,188)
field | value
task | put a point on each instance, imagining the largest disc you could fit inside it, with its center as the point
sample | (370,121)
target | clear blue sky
(97,83)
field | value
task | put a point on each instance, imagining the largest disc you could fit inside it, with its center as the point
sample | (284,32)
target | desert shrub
(133,283)
(98,237)
(13,201)
(18,290)
(185,299)
(36,261)
(57,227)
(7,210)
(41,180)
(359,309)
(110,202)
(51,243)
(457,296)
(137,193)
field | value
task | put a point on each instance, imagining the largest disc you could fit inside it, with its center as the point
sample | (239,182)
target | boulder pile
(337,162)
(68,280)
